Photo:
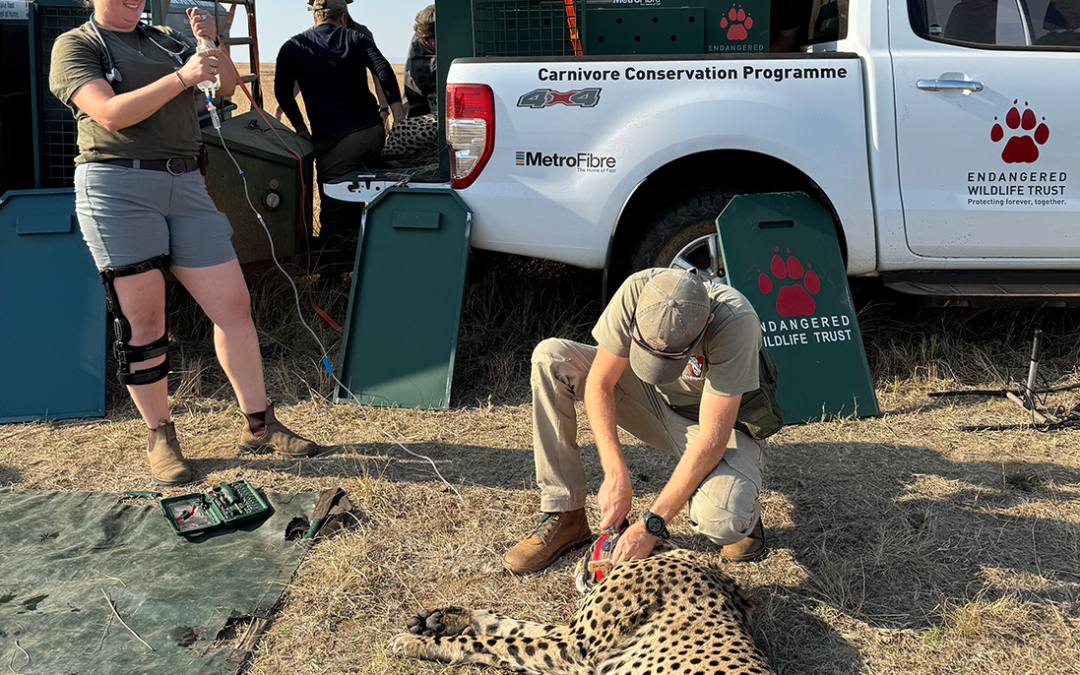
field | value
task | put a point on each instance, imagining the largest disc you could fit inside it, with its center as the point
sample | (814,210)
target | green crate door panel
(405,306)
(780,251)
(52,311)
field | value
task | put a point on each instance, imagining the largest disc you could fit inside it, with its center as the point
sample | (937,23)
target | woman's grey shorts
(128,216)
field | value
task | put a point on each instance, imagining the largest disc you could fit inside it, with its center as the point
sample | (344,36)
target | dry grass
(900,544)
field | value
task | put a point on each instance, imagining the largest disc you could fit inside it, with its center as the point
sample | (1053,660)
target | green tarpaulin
(60,550)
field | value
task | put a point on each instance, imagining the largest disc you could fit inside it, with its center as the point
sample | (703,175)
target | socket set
(228,505)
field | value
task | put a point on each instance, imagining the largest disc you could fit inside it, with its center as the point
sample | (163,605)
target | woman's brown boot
(264,433)
(166,461)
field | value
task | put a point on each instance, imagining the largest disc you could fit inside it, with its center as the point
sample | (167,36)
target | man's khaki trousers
(725,506)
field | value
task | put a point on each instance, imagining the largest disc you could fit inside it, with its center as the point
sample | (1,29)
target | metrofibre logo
(582,161)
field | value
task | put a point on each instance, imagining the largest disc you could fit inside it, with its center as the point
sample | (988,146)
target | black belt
(174,165)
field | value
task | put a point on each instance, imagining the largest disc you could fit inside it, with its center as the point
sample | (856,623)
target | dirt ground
(900,544)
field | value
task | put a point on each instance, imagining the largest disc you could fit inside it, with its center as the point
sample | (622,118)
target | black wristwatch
(654,525)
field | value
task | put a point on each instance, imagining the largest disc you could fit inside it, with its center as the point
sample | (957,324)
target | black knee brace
(125,352)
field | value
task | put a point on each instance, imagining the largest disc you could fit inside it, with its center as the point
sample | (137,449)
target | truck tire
(684,236)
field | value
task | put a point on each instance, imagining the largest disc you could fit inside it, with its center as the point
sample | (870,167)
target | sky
(391,22)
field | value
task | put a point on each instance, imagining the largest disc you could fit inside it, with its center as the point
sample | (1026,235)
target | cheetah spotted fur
(412,139)
(665,615)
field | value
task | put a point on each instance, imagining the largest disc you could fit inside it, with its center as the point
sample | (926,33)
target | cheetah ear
(583,579)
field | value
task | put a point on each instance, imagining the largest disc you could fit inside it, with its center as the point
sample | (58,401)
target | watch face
(654,524)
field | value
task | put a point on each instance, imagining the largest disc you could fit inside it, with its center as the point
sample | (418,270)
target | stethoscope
(113,75)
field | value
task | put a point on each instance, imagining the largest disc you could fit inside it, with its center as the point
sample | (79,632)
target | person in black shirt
(329,63)
(420,78)
(384,107)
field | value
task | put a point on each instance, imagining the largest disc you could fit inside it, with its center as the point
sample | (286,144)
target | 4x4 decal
(542,98)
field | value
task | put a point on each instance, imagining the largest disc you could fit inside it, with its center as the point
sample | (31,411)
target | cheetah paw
(450,621)
(406,644)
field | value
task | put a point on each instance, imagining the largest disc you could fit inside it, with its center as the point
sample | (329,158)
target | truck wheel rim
(704,254)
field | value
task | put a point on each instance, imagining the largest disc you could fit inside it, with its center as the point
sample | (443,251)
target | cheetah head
(591,569)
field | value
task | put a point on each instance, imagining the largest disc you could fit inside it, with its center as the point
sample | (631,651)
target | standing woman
(143,208)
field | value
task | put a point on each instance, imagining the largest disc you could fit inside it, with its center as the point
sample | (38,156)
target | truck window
(828,21)
(1035,24)
(1060,23)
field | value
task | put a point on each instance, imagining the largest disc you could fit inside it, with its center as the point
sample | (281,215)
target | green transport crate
(405,305)
(617,27)
(279,185)
(54,129)
(614,27)
(524,27)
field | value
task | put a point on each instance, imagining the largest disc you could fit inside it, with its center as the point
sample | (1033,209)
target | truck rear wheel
(684,236)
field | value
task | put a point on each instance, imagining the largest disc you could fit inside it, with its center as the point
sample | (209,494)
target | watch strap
(663,533)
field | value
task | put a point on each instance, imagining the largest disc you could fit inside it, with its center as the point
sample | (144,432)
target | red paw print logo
(793,299)
(739,22)
(1021,149)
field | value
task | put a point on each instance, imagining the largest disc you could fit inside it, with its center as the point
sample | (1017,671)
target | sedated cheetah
(412,140)
(665,615)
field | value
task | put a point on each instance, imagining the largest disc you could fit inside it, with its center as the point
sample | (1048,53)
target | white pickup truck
(943,135)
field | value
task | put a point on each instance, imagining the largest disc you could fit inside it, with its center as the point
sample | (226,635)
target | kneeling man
(692,350)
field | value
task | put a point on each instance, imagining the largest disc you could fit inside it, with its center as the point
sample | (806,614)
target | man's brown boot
(750,548)
(555,534)
(166,461)
(273,436)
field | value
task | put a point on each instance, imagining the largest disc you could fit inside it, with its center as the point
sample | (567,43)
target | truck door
(987,128)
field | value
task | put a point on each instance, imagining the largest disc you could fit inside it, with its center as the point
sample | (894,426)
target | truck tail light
(470,130)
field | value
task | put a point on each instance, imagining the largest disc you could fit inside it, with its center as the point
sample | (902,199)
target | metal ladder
(158,9)
(252,42)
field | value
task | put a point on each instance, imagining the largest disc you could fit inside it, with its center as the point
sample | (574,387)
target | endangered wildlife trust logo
(1019,135)
(795,298)
(795,304)
(695,368)
(737,22)
(1028,134)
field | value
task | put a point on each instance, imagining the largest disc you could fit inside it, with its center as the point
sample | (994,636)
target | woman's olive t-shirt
(79,58)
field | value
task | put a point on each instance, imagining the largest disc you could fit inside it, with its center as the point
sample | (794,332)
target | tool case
(228,505)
